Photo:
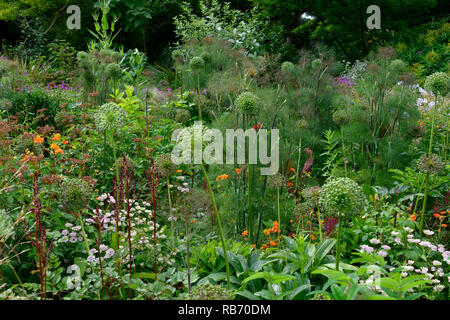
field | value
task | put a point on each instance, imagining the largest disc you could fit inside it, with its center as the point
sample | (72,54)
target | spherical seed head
(288,67)
(302,124)
(165,166)
(82,56)
(430,164)
(247,103)
(342,197)
(131,165)
(110,117)
(312,195)
(438,83)
(75,194)
(340,117)
(197,63)
(277,180)
(397,65)
(206,56)
(316,63)
(176,54)
(5,104)
(113,71)
(182,115)
(301,209)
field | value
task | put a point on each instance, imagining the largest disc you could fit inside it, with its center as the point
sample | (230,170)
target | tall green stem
(320,224)
(198,97)
(425,197)
(432,125)
(170,213)
(219,226)
(84,232)
(338,246)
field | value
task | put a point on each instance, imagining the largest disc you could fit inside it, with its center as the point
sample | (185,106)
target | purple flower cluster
(341,81)
(62,86)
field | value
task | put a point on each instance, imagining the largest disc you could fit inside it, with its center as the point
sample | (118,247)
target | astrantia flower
(247,103)
(342,197)
(110,117)
(428,232)
(374,241)
(430,164)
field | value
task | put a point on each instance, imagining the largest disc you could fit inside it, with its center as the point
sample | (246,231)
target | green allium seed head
(197,63)
(312,196)
(316,63)
(110,117)
(342,197)
(165,166)
(288,67)
(247,103)
(82,56)
(131,165)
(182,115)
(340,117)
(302,124)
(210,292)
(438,83)
(176,54)
(206,56)
(113,71)
(277,180)
(5,104)
(397,65)
(75,194)
(301,209)
(430,164)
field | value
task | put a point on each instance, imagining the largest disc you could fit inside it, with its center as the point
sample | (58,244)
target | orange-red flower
(237,170)
(56,137)
(223,177)
(194,222)
(273,243)
(412,217)
(245,233)
(65,142)
(38,139)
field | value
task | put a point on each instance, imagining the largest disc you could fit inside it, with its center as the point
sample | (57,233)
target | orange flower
(253,245)
(56,137)
(293,170)
(421,124)
(38,139)
(290,184)
(54,146)
(272,243)
(313,237)
(267,231)
(245,233)
(237,170)
(413,217)
(437,215)
(59,151)
(276,224)
(444,225)
(223,177)
(179,171)
(65,142)
(265,246)
(194,222)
